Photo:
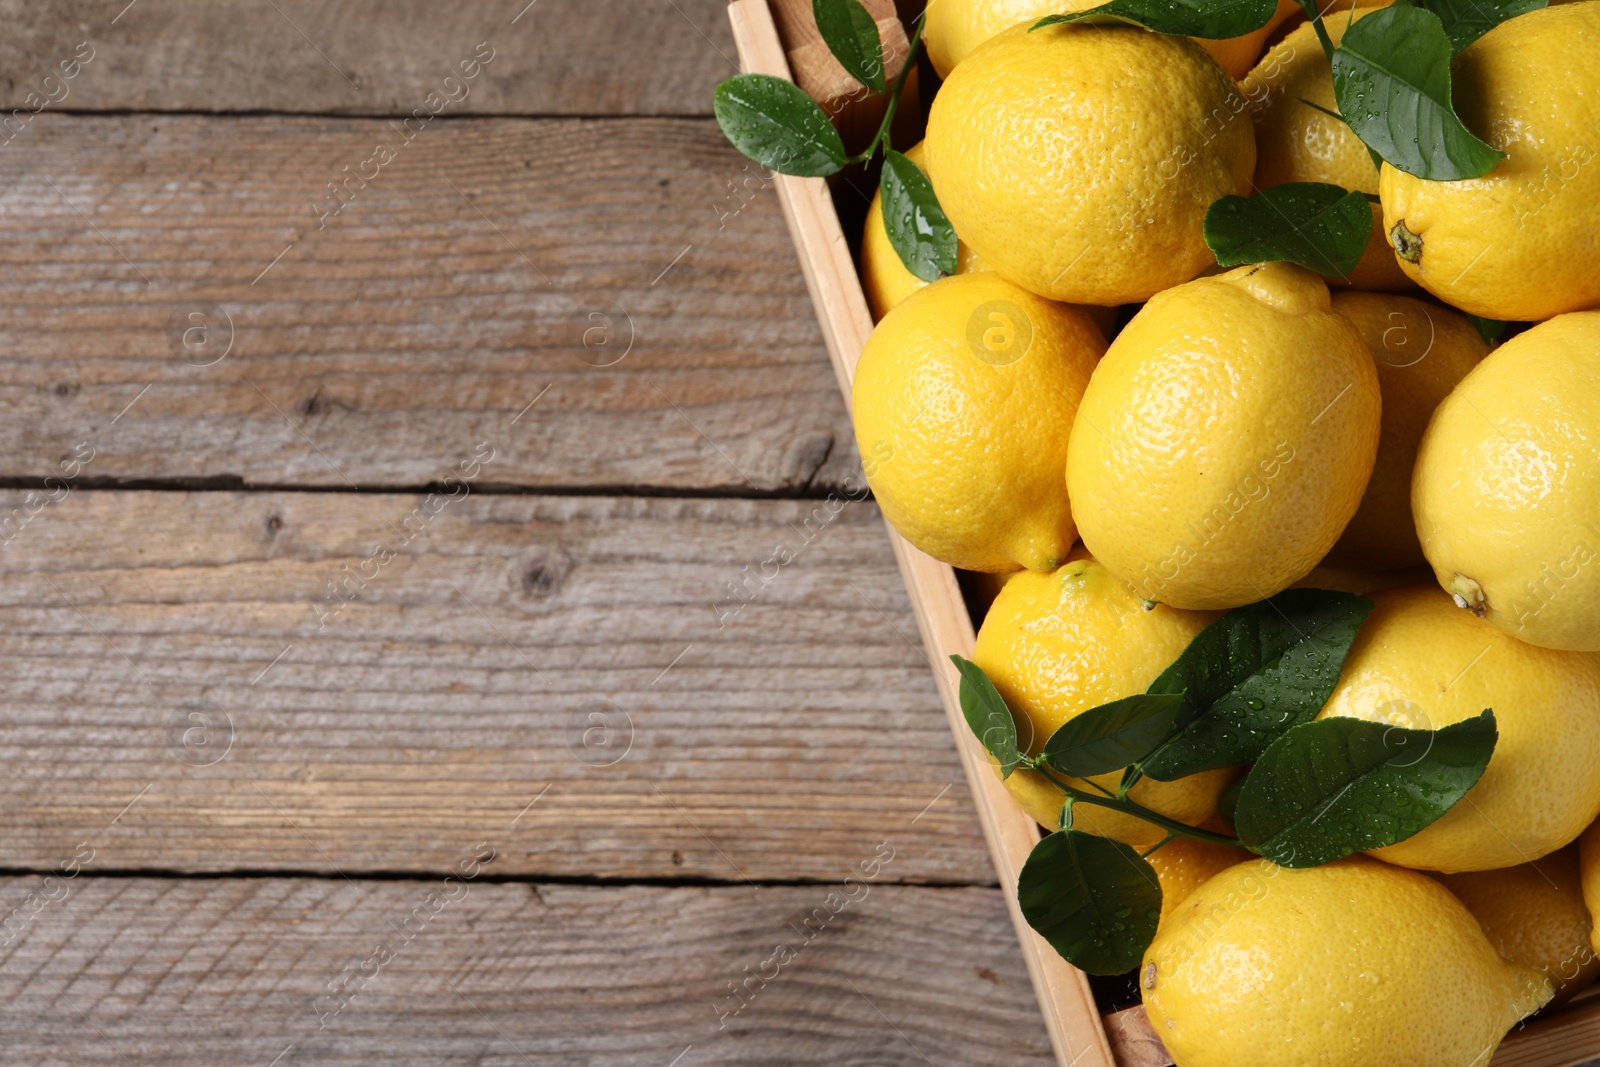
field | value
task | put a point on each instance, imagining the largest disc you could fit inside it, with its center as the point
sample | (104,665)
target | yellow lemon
(1237,55)
(1589,873)
(1182,866)
(963,403)
(1225,439)
(953,28)
(1353,963)
(1420,663)
(1056,645)
(1534,915)
(883,275)
(1507,486)
(1079,161)
(1421,351)
(1519,242)
(1297,143)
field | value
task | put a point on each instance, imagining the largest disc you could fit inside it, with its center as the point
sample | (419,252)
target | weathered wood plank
(368,56)
(612,263)
(238,971)
(504,649)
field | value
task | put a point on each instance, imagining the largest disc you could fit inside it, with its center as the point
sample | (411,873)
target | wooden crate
(1080,1035)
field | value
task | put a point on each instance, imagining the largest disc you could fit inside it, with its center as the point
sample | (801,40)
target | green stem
(894,98)
(1138,811)
(1147,852)
(1315,15)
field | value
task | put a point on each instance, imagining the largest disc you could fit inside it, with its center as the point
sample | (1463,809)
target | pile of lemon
(1250,430)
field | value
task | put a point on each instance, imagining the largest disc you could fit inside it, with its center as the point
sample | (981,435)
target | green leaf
(1321,227)
(1488,329)
(1391,76)
(987,715)
(1114,735)
(1093,898)
(917,226)
(1228,804)
(1341,785)
(1211,19)
(1467,20)
(851,34)
(1253,674)
(776,124)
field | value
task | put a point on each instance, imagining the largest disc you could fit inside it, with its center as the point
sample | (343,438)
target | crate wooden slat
(1078,1033)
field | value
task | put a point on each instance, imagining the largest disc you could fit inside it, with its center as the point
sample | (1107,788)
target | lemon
(1237,55)
(1421,351)
(1056,645)
(1225,439)
(1419,663)
(1534,915)
(963,402)
(1297,143)
(883,276)
(1507,486)
(1589,873)
(1182,866)
(1517,243)
(1353,963)
(951,29)
(1079,161)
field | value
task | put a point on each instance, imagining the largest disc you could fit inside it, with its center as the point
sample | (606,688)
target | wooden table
(435,624)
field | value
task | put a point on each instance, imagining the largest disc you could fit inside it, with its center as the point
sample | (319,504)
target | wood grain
(235,971)
(599,57)
(512,648)
(1071,1015)
(637,269)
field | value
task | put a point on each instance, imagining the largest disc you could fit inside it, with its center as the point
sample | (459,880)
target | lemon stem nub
(1407,245)
(1468,594)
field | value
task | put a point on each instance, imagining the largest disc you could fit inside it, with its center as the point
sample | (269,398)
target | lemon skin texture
(1079,160)
(1421,351)
(1297,143)
(1237,55)
(963,403)
(1056,645)
(1225,439)
(953,28)
(1420,663)
(1506,490)
(1589,873)
(883,276)
(1182,866)
(1519,242)
(1534,915)
(1353,963)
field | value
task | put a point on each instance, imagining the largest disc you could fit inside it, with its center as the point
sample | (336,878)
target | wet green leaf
(851,34)
(918,229)
(987,715)
(1114,735)
(1253,674)
(1211,19)
(1321,227)
(1340,785)
(1467,20)
(776,124)
(1095,899)
(1391,76)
